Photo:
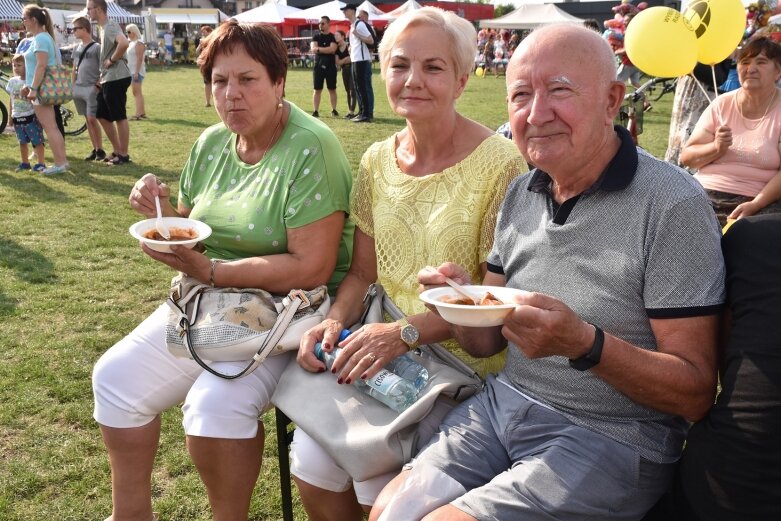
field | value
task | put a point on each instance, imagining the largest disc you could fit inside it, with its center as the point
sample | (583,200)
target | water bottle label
(383,381)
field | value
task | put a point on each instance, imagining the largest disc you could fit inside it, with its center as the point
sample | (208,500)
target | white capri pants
(138,378)
(312,464)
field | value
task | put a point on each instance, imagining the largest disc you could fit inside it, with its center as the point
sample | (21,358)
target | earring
(280,104)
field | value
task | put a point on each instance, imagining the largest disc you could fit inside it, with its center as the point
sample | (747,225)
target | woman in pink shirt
(735,144)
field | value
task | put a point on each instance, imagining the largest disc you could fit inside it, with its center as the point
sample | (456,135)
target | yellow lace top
(420,221)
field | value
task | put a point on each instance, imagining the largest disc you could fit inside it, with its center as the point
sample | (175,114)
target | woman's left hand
(186,260)
(367,350)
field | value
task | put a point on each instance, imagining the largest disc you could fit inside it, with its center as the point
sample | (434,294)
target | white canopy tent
(114,12)
(61,17)
(409,5)
(10,11)
(530,16)
(187,16)
(268,13)
(332,10)
(370,8)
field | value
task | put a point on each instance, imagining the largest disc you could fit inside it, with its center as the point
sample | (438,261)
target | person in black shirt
(731,467)
(323,46)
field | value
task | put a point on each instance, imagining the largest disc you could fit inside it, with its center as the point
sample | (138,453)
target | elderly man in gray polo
(612,349)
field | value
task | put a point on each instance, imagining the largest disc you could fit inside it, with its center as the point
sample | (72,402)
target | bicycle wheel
(667,87)
(71,121)
(3,117)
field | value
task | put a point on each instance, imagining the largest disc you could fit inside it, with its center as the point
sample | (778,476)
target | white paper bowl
(472,316)
(202,229)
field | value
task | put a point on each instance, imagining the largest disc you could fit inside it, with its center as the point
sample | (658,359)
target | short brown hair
(759,45)
(261,42)
(17,58)
(83,22)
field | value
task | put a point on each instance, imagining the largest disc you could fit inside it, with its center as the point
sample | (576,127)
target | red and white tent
(332,10)
(269,13)
(409,5)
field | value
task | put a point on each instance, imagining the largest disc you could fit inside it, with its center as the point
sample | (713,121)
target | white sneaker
(56,169)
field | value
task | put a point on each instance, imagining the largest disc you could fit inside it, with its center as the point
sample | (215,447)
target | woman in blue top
(41,54)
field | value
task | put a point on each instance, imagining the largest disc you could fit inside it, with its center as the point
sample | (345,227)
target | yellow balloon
(661,43)
(719,26)
(479,72)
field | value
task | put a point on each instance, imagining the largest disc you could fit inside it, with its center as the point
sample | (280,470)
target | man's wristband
(593,357)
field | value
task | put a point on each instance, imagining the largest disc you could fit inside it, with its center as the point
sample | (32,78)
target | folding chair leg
(283,442)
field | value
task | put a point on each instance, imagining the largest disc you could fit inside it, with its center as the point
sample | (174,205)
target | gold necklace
(745,119)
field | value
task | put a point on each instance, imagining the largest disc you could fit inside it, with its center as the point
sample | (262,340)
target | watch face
(409,334)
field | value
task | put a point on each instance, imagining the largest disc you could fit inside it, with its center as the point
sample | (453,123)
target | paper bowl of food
(184,232)
(491,304)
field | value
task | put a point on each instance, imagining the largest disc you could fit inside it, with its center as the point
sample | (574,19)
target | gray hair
(460,33)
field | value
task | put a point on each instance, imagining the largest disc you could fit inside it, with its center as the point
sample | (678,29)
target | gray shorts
(85,97)
(520,460)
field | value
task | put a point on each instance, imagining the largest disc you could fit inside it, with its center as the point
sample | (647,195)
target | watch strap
(593,357)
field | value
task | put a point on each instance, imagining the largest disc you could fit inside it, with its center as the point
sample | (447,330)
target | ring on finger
(372,358)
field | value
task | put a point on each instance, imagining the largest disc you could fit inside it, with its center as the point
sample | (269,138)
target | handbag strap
(294,301)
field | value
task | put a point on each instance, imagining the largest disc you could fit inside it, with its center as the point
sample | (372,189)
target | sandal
(138,118)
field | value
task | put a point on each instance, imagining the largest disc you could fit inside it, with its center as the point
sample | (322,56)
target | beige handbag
(365,437)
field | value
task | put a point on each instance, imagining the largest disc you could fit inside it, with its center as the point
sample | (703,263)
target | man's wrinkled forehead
(560,79)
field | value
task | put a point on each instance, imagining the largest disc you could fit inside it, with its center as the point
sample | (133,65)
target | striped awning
(114,12)
(10,10)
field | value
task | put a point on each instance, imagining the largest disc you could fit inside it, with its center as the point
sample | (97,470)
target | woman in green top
(274,184)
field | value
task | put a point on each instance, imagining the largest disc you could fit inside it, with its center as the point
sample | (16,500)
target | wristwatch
(409,333)
(593,357)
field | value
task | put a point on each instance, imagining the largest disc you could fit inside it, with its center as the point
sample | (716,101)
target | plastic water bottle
(386,387)
(404,366)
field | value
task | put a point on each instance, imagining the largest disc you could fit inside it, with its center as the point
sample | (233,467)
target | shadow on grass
(7,306)
(32,187)
(29,265)
(182,123)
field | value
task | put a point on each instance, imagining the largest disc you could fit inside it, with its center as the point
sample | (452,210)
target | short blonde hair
(133,28)
(460,33)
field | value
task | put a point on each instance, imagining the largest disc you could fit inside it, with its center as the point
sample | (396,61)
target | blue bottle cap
(344,334)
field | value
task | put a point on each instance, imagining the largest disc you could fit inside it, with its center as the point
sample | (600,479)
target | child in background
(26,125)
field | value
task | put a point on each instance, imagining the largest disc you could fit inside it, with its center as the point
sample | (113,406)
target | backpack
(373,46)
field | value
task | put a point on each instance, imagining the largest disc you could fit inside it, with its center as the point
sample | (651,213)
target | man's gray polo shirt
(641,243)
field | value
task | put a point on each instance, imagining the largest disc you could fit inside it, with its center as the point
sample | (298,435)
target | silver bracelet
(212,265)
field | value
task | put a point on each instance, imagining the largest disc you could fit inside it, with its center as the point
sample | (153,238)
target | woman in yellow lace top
(426,195)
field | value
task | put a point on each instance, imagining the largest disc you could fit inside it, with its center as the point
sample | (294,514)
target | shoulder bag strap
(83,53)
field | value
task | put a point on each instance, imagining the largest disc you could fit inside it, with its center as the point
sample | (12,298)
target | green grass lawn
(73,282)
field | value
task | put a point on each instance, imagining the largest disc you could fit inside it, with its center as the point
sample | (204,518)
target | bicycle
(630,115)
(68,113)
